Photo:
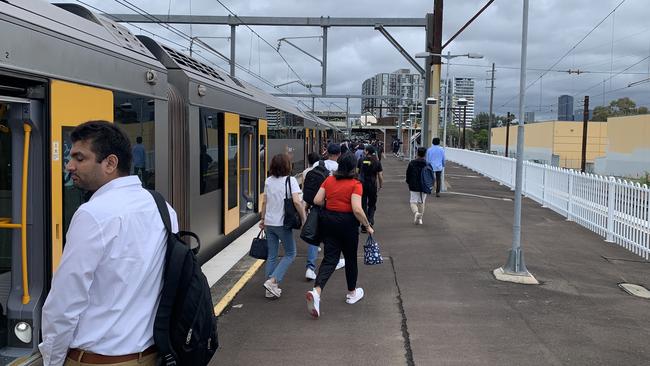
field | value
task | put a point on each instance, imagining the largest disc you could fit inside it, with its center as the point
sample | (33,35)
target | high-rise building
(565,108)
(462,88)
(529,117)
(409,87)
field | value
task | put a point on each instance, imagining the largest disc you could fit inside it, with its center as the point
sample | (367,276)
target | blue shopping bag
(371,253)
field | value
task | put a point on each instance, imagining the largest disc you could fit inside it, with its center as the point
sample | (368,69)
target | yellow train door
(71,105)
(231,172)
(262,158)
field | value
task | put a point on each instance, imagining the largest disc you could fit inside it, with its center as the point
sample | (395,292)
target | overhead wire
(569,51)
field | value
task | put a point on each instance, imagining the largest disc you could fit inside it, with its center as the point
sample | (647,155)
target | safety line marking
(221,305)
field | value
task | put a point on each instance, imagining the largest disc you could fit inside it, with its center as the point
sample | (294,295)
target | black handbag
(259,247)
(291,217)
(309,232)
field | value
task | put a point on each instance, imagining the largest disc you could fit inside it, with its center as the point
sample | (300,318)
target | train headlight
(151,77)
(23,332)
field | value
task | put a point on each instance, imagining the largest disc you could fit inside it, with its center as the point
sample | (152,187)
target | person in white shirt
(106,290)
(312,250)
(276,189)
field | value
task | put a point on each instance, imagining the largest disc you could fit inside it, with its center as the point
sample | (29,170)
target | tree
(620,107)
(600,114)
(642,110)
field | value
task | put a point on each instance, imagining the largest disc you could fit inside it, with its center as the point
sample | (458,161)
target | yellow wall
(629,134)
(564,138)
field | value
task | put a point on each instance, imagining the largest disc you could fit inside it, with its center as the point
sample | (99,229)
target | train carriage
(207,138)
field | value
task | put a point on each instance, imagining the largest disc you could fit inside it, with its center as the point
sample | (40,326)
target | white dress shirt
(106,290)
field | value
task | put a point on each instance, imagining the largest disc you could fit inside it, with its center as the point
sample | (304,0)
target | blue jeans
(312,254)
(275,268)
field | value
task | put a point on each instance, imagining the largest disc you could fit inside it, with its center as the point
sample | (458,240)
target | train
(207,136)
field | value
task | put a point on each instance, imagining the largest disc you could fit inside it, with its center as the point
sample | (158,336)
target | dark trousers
(369,202)
(340,234)
(438,179)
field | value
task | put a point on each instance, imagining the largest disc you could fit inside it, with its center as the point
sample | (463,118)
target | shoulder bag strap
(287,183)
(172,272)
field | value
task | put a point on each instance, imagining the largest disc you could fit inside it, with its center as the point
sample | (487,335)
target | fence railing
(616,209)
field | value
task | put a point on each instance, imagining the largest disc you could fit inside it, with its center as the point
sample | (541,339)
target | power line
(569,51)
(567,71)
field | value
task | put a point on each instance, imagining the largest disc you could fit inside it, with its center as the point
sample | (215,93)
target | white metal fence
(616,209)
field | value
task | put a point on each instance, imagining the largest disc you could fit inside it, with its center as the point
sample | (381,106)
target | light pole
(462,102)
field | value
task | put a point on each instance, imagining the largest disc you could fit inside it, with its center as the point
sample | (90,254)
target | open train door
(263,159)
(231,173)
(72,105)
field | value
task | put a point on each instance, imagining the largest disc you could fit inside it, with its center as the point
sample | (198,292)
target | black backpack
(311,183)
(185,329)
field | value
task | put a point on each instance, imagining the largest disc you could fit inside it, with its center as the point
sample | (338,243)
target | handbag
(371,253)
(291,217)
(259,247)
(309,232)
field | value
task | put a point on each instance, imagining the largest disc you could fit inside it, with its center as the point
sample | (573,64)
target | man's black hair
(312,158)
(422,151)
(105,139)
(138,139)
(436,141)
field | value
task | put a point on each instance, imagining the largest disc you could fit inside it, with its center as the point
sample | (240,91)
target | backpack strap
(172,272)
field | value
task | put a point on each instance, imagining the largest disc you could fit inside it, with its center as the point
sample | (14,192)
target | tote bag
(291,217)
(259,247)
(309,232)
(371,253)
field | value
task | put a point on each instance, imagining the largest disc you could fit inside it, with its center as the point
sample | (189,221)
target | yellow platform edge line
(221,305)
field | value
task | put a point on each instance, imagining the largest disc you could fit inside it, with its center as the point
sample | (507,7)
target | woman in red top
(339,225)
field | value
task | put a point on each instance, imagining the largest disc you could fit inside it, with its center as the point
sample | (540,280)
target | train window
(211,130)
(233,149)
(135,114)
(5,190)
(247,169)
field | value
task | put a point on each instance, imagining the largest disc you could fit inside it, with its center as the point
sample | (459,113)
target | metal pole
(233,31)
(464,126)
(347,117)
(324,65)
(426,122)
(585,122)
(446,119)
(489,147)
(399,128)
(515,264)
(507,133)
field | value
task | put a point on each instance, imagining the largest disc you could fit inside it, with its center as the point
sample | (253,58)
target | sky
(614,53)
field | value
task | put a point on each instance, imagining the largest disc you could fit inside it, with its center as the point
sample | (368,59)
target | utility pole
(433,43)
(585,122)
(489,147)
(507,132)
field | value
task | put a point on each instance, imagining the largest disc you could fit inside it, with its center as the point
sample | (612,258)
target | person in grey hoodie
(414,181)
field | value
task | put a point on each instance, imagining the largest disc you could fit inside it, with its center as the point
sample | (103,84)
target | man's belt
(97,359)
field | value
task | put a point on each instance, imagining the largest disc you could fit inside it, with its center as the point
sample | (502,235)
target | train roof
(200,71)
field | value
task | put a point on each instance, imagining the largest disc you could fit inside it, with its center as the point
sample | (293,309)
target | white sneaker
(313,303)
(310,274)
(340,264)
(415,218)
(270,295)
(272,288)
(358,295)
(420,219)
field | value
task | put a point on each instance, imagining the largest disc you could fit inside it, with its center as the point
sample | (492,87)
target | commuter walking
(138,158)
(414,179)
(359,152)
(105,292)
(312,250)
(339,224)
(372,178)
(436,159)
(334,152)
(276,188)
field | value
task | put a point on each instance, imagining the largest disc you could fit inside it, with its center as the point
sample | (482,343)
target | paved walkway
(435,302)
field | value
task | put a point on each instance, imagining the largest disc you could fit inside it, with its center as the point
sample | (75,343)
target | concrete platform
(435,301)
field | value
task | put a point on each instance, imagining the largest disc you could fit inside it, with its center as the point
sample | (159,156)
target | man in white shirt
(106,290)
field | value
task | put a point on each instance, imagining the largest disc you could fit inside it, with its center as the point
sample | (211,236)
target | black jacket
(414,173)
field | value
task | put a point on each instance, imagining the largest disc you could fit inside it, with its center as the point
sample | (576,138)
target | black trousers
(369,202)
(438,179)
(340,234)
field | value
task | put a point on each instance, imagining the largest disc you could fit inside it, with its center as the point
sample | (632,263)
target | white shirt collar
(130,180)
